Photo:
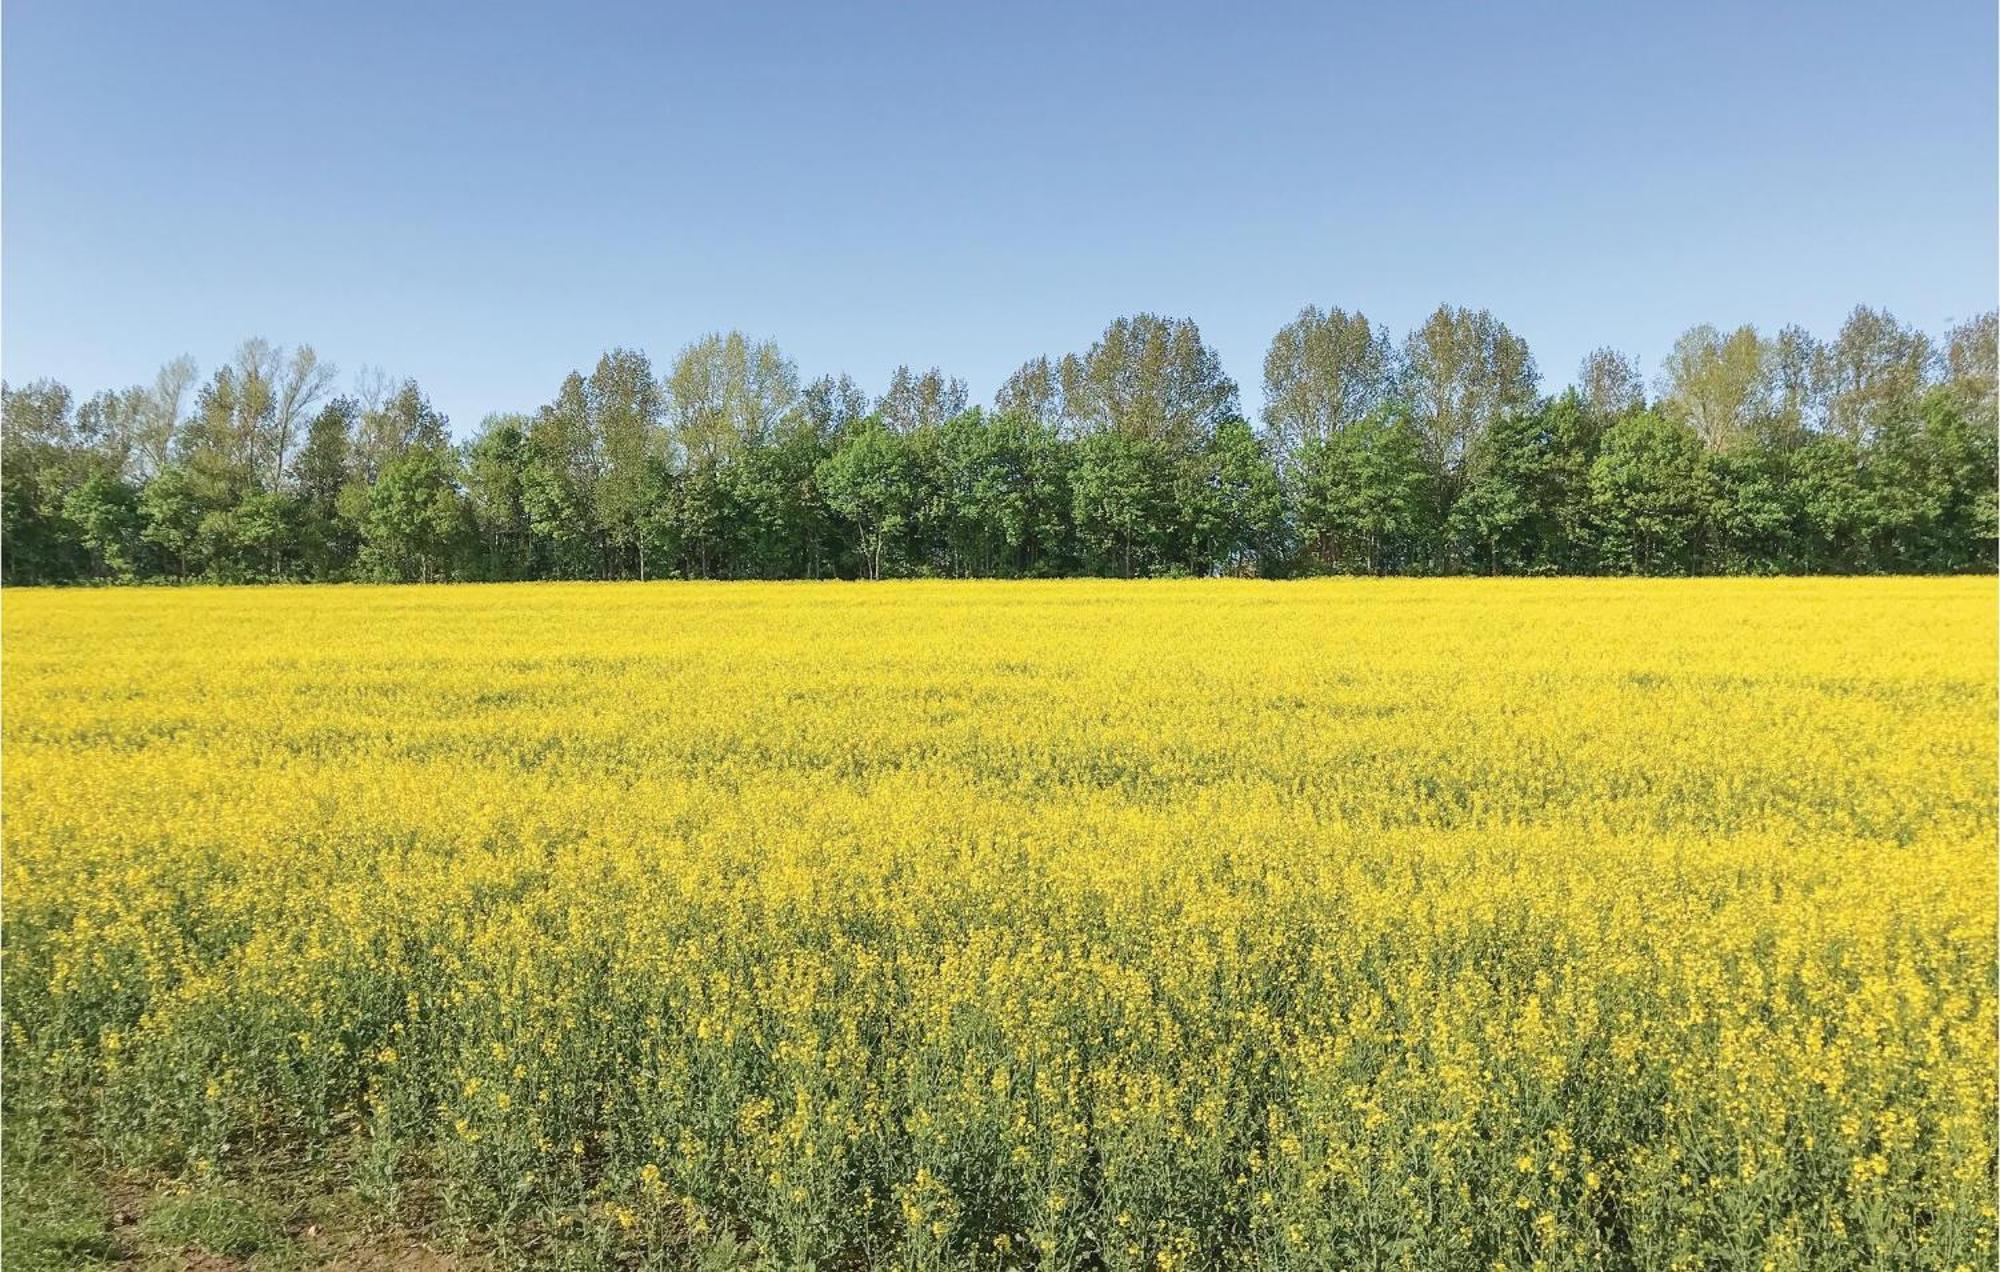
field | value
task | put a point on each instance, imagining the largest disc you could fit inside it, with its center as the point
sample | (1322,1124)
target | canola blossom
(1061,925)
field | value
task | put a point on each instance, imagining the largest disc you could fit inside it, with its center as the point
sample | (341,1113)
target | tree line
(1870,451)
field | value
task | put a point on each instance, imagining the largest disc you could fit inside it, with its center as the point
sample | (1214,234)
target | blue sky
(486,196)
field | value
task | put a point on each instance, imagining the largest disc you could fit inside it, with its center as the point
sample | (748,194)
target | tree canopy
(1870,450)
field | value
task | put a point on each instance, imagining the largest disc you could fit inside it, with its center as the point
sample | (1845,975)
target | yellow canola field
(1078,924)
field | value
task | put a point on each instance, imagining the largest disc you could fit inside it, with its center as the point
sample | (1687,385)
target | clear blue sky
(486,196)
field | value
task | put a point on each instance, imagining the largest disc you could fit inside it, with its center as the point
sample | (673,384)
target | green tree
(109,426)
(868,482)
(323,468)
(1039,391)
(397,419)
(831,404)
(1364,495)
(1232,511)
(1122,488)
(1024,488)
(219,447)
(1829,492)
(1796,367)
(727,392)
(104,510)
(1752,513)
(627,411)
(265,533)
(1525,508)
(559,471)
(1964,438)
(415,516)
(219,543)
(1005,483)
(701,517)
(495,485)
(284,385)
(170,515)
(41,465)
(726,395)
(1650,488)
(781,525)
(1930,489)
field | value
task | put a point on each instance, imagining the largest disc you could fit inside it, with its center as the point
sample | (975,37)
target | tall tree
(133,429)
(402,418)
(1463,370)
(923,400)
(1152,377)
(109,426)
(1972,362)
(560,458)
(1526,504)
(275,392)
(299,380)
(1719,385)
(104,510)
(1875,372)
(1963,442)
(1798,383)
(726,392)
(41,461)
(1011,484)
(219,445)
(1122,486)
(1039,390)
(38,417)
(1610,384)
(832,404)
(416,512)
(628,411)
(1931,484)
(779,522)
(1827,486)
(494,471)
(1323,371)
(169,400)
(170,516)
(322,473)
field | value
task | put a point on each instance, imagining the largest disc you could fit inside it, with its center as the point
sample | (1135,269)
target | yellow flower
(1237,902)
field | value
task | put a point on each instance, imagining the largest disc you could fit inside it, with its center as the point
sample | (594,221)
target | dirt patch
(382,1252)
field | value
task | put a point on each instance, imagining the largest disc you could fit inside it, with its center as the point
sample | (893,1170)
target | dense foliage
(1870,452)
(1073,925)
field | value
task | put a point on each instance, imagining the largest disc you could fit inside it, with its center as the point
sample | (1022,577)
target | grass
(219,1221)
(53,1217)
(61,1210)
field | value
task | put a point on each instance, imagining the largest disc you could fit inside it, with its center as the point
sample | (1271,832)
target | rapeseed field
(1426,924)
